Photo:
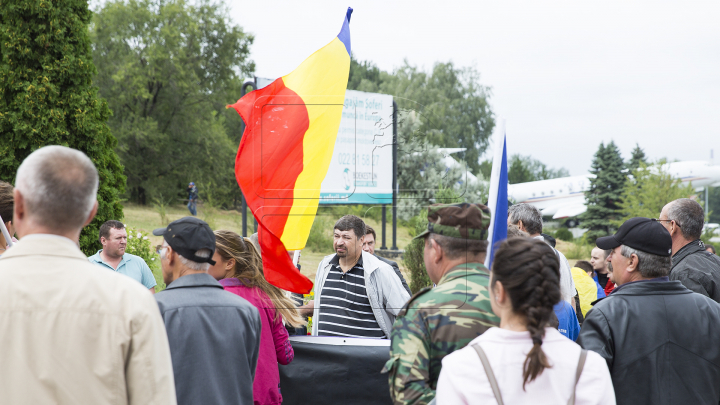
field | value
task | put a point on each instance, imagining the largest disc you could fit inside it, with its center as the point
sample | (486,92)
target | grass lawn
(146,218)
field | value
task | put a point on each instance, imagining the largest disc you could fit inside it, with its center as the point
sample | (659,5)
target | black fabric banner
(329,370)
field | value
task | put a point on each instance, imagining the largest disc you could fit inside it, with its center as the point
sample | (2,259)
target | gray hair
(689,216)
(189,263)
(649,265)
(529,215)
(59,186)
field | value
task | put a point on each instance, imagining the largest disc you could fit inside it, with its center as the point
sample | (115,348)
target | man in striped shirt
(356,294)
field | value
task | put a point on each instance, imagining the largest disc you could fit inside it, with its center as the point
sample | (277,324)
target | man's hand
(307,309)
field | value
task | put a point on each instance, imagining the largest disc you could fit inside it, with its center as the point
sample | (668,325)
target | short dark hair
(689,216)
(707,246)
(585,265)
(349,222)
(455,248)
(105,228)
(369,230)
(7,201)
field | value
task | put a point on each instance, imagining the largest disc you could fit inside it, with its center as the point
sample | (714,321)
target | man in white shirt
(71,333)
(529,219)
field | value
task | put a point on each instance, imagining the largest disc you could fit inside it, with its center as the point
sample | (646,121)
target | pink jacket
(274,344)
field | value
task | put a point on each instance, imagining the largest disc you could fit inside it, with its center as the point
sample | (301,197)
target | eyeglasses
(159,249)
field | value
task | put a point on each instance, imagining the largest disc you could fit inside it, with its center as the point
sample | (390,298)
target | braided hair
(529,271)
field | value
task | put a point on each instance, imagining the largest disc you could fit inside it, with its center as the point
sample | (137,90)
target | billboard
(361,167)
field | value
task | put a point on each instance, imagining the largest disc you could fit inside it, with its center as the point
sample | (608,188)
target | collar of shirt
(230,282)
(195,280)
(50,236)
(97,258)
(664,278)
(463,270)
(335,261)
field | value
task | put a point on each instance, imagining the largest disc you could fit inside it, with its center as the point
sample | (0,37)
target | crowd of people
(638,323)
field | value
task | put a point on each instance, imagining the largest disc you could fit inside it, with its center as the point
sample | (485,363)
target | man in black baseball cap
(203,321)
(659,338)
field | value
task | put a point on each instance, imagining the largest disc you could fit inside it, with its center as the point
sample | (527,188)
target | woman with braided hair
(523,361)
(238,267)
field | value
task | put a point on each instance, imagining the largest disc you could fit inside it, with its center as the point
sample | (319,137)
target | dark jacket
(396,269)
(214,340)
(697,270)
(660,341)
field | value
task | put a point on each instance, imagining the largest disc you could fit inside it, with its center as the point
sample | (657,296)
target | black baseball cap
(644,234)
(188,235)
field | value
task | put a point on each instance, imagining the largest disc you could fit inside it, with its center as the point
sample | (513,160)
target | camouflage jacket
(434,323)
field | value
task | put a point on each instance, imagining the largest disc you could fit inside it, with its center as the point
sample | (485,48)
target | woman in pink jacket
(238,267)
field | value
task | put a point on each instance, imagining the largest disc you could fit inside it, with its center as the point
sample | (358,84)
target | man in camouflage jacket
(438,321)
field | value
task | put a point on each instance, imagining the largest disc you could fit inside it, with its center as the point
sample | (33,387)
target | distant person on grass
(238,267)
(71,333)
(369,246)
(112,256)
(192,198)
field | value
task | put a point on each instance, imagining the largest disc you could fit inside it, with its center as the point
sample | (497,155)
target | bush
(138,244)
(413,256)
(320,238)
(47,97)
(564,234)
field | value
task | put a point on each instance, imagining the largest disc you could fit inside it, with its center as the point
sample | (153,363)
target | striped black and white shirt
(344,307)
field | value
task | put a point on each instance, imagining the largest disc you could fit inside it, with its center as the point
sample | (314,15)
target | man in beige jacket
(71,332)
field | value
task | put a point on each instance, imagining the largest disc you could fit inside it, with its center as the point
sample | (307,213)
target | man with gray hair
(692,265)
(72,333)
(529,220)
(214,334)
(659,338)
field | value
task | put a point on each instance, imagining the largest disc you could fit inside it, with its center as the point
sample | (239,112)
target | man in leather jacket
(659,338)
(692,265)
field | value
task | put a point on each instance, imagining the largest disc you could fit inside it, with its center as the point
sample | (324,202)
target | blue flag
(498,199)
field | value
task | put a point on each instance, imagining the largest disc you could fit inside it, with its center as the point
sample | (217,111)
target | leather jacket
(697,270)
(660,341)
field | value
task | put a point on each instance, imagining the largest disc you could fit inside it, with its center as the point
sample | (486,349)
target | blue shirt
(567,320)
(130,265)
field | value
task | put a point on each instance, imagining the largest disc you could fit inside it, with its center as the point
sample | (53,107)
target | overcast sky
(565,75)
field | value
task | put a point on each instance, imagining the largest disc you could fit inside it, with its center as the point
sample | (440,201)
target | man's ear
(438,250)
(521,226)
(633,264)
(18,206)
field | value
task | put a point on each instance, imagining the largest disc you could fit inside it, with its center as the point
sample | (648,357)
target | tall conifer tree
(47,96)
(604,194)
(636,159)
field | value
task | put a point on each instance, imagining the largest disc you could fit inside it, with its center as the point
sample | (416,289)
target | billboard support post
(383,246)
(394,176)
(243,204)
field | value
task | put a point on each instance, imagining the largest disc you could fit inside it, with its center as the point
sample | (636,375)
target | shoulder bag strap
(489,373)
(581,364)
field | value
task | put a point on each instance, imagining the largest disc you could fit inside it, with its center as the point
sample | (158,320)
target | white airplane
(565,197)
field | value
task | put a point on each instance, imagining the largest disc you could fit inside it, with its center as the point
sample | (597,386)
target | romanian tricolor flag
(286,150)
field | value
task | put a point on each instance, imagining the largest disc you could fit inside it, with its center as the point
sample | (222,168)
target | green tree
(714,204)
(648,190)
(47,97)
(522,169)
(450,102)
(604,195)
(636,159)
(168,68)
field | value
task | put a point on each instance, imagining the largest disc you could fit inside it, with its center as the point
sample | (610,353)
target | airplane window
(533,194)
(543,193)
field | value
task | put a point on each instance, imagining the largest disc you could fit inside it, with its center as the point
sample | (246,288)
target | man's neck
(113,260)
(448,265)
(679,243)
(604,270)
(347,263)
(31,229)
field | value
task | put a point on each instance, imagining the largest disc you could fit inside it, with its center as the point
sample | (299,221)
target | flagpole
(6,234)
(494,186)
